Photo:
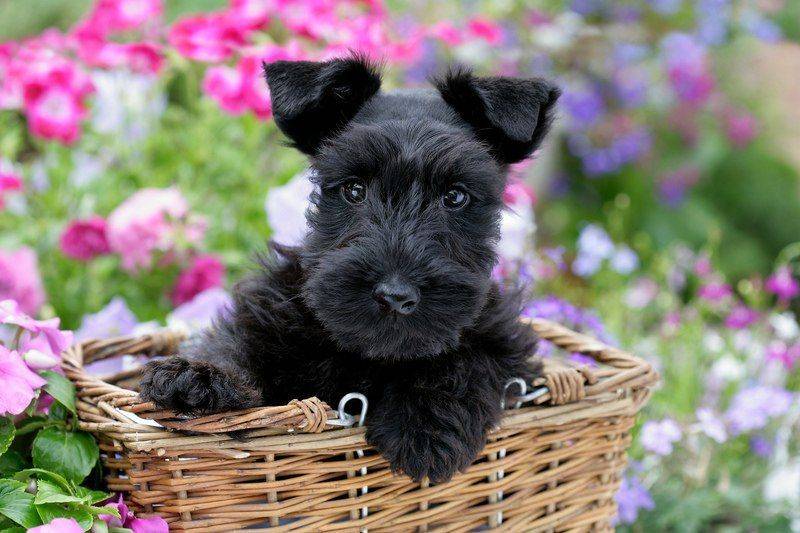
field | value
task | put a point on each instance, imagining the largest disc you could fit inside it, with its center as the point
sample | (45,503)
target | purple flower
(761,446)
(780,351)
(624,260)
(58,525)
(712,425)
(631,497)
(741,317)
(658,437)
(672,187)
(761,27)
(584,106)
(783,284)
(687,68)
(114,320)
(594,246)
(563,312)
(753,407)
(198,313)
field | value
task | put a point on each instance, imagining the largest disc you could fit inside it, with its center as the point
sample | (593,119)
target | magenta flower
(741,317)
(9,181)
(151,220)
(715,291)
(446,32)
(210,37)
(783,284)
(658,437)
(786,355)
(154,524)
(20,279)
(19,383)
(205,272)
(58,525)
(741,127)
(85,239)
(483,28)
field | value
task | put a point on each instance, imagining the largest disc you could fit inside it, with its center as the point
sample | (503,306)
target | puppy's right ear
(312,100)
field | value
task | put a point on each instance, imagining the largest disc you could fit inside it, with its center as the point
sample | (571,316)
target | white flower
(728,369)
(286,209)
(783,483)
(785,325)
(517,229)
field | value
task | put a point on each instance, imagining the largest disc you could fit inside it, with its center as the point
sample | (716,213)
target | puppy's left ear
(511,115)
(312,100)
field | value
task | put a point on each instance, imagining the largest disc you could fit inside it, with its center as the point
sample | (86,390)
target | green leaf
(71,454)
(99,526)
(51,493)
(91,496)
(50,511)
(7,431)
(24,475)
(10,463)
(106,509)
(17,504)
(31,424)
(60,388)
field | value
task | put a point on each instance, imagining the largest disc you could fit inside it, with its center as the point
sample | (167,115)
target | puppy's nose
(395,295)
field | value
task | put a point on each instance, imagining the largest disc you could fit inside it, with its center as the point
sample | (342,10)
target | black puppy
(390,293)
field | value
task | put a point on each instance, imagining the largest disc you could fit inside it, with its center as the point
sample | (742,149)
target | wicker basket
(553,464)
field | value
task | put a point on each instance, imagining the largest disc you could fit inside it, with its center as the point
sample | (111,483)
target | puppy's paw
(194,387)
(424,449)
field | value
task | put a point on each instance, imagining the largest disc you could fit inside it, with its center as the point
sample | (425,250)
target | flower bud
(37,359)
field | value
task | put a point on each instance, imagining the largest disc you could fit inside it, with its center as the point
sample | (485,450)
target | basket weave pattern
(553,464)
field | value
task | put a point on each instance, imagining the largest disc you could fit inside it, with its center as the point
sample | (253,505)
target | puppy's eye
(455,199)
(354,192)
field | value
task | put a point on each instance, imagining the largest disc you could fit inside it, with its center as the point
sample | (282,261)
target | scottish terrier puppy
(390,294)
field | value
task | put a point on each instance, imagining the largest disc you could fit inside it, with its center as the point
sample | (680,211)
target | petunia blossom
(205,272)
(20,279)
(58,525)
(783,284)
(151,220)
(19,383)
(659,436)
(85,239)
(154,524)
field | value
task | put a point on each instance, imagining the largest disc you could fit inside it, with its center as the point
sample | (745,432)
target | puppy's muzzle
(395,295)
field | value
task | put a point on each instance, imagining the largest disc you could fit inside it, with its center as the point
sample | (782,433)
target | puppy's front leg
(196,386)
(432,421)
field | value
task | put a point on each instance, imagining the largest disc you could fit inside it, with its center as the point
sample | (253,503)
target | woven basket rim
(572,391)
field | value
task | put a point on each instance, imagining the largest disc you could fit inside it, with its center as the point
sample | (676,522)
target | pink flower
(19,383)
(446,32)
(205,272)
(154,524)
(486,29)
(783,284)
(20,279)
(56,115)
(120,15)
(740,317)
(741,128)
(146,58)
(42,335)
(9,181)
(210,37)
(518,193)
(85,239)
(252,14)
(58,525)
(715,291)
(786,355)
(224,85)
(151,220)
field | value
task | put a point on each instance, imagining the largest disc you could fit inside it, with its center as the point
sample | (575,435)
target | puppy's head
(409,197)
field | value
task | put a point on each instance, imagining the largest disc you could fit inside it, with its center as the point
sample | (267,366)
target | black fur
(307,322)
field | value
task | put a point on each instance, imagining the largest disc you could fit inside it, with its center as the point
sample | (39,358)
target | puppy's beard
(339,288)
